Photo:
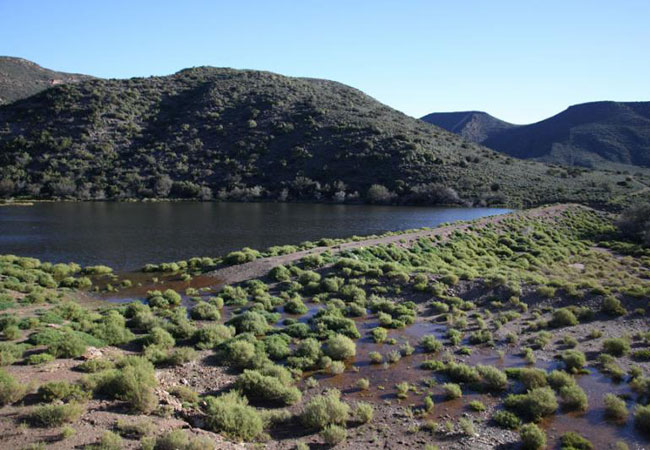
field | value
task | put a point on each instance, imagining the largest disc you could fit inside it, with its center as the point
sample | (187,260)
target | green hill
(246,135)
(20,78)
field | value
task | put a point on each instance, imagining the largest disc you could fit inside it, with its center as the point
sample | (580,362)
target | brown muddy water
(383,377)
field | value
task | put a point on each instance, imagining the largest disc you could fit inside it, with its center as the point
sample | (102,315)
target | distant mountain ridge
(20,78)
(476,126)
(589,134)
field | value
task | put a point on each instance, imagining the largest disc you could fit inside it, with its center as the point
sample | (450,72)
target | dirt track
(260,267)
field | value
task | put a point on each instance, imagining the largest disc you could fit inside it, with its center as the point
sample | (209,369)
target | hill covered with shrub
(20,78)
(246,135)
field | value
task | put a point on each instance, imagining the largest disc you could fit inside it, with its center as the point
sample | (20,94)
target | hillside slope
(243,135)
(590,134)
(476,126)
(20,78)
(585,134)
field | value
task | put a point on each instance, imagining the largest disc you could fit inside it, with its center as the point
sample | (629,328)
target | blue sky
(519,60)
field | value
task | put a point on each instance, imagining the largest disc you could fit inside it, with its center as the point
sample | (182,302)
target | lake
(126,236)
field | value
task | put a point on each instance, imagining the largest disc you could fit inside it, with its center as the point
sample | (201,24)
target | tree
(634,223)
(379,194)
(163,186)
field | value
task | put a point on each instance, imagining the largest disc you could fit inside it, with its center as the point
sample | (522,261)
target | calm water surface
(128,235)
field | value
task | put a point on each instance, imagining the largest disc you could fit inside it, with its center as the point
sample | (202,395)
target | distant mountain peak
(594,134)
(476,126)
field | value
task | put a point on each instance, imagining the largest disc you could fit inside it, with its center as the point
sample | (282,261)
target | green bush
(613,307)
(62,390)
(642,418)
(205,311)
(616,346)
(535,404)
(179,440)
(430,344)
(109,441)
(160,338)
(333,434)
(55,415)
(11,332)
(340,347)
(574,397)
(492,378)
(532,437)
(68,345)
(574,360)
(95,365)
(133,382)
(452,390)
(277,346)
(271,384)
(532,378)
(615,407)
(563,317)
(506,419)
(10,390)
(558,379)
(39,358)
(363,412)
(210,336)
(230,414)
(112,329)
(324,410)
(295,305)
(573,441)
(250,322)
(379,334)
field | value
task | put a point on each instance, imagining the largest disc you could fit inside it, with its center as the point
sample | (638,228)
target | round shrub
(324,410)
(55,415)
(642,418)
(212,335)
(250,322)
(574,397)
(574,360)
(230,414)
(534,405)
(363,412)
(452,390)
(10,390)
(506,419)
(532,437)
(563,317)
(69,345)
(269,385)
(615,407)
(379,334)
(205,311)
(334,434)
(492,378)
(573,441)
(616,346)
(339,347)
(430,344)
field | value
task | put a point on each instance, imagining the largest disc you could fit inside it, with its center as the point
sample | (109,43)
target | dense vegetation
(589,135)
(207,133)
(20,79)
(284,342)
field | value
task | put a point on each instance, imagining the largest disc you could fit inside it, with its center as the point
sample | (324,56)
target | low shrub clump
(616,346)
(532,437)
(272,384)
(339,347)
(334,434)
(452,390)
(230,414)
(55,415)
(205,311)
(615,407)
(62,390)
(133,382)
(10,390)
(324,410)
(506,419)
(535,404)
(574,441)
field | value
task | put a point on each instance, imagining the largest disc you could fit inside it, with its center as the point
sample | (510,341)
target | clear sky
(519,60)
